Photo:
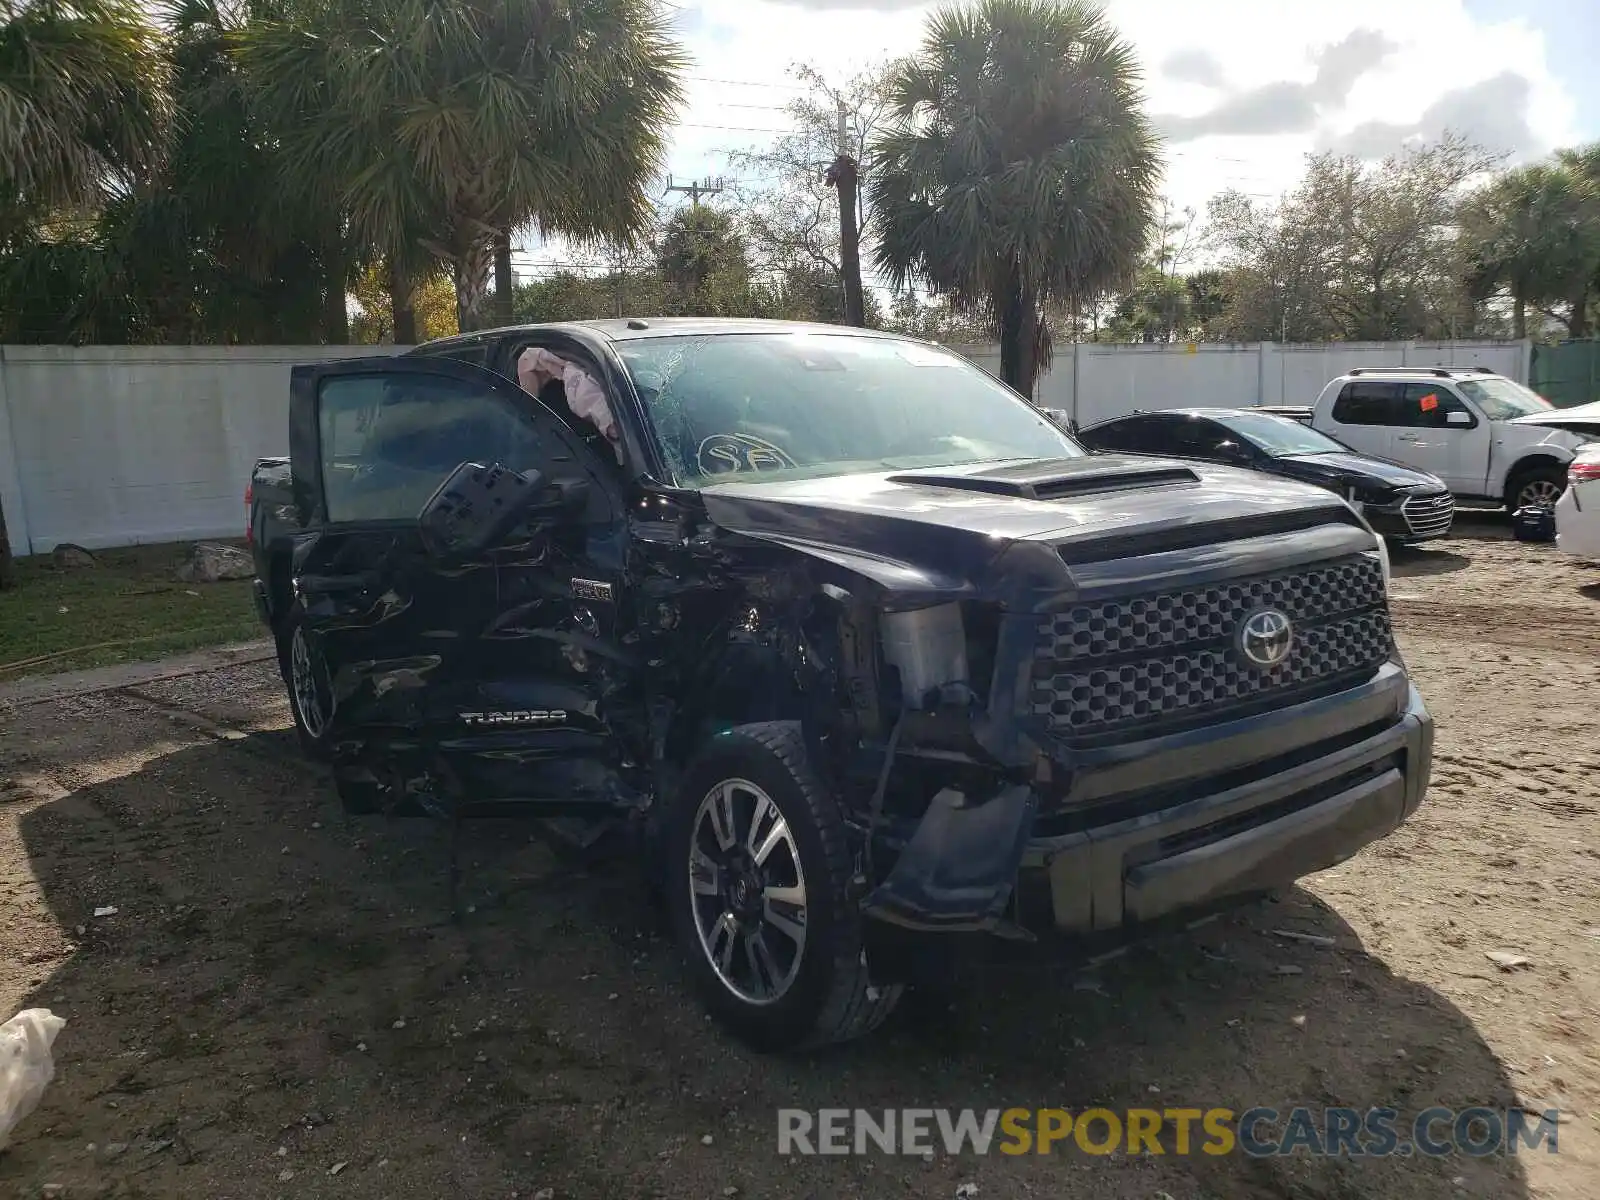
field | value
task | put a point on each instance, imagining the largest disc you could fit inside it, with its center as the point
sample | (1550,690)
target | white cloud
(1253,85)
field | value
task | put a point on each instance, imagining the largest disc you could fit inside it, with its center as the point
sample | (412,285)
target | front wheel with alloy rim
(1540,487)
(759,889)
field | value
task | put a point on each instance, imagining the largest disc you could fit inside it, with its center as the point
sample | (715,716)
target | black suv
(860,645)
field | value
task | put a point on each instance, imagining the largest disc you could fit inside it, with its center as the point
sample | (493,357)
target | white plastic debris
(26,1067)
(107,910)
(1505,960)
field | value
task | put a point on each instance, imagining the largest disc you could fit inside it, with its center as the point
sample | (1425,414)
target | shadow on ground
(279,993)
(1482,524)
(1410,562)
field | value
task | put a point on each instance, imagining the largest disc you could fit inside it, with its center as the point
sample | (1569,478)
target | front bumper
(1255,837)
(1413,518)
(1264,819)
(1577,528)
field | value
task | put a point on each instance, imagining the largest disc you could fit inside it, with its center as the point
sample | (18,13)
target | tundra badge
(538,716)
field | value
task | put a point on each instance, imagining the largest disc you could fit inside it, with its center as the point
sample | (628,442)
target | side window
(474,352)
(1119,436)
(1427,406)
(1369,403)
(1190,437)
(389,439)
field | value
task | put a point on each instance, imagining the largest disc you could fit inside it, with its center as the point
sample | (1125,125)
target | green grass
(132,599)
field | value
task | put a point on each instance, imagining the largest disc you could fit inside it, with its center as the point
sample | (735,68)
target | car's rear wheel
(759,890)
(305,676)
(1540,487)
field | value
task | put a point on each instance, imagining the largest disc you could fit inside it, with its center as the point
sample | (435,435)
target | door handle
(1407,437)
(338,585)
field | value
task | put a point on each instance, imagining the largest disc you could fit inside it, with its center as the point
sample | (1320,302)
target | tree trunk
(504,281)
(1578,323)
(403,307)
(845,176)
(1019,324)
(1519,318)
(471,268)
(8,576)
(335,301)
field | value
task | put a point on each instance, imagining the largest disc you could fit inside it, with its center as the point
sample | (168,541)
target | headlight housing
(1382,550)
(929,648)
(1377,495)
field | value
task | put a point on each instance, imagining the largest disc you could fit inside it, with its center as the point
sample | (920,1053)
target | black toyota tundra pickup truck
(858,645)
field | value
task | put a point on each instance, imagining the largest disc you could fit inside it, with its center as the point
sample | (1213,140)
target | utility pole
(696,188)
(845,174)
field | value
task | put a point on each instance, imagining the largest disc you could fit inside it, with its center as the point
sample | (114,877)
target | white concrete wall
(122,445)
(1095,381)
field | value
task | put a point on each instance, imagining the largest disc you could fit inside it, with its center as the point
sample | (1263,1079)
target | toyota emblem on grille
(1265,637)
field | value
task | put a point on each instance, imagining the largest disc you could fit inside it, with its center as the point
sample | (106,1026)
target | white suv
(1475,430)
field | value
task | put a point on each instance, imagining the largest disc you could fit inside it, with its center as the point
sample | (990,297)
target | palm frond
(84,103)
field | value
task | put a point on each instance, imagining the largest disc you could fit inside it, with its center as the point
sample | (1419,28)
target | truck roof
(634,328)
(1422,372)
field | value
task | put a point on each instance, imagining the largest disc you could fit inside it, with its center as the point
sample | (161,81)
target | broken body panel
(1081,777)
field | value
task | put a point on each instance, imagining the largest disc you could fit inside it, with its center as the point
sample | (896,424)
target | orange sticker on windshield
(1430,402)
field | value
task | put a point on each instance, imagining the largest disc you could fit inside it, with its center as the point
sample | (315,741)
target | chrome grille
(1429,516)
(1116,664)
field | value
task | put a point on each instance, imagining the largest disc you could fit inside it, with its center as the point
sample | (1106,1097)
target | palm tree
(438,124)
(83,106)
(1532,232)
(1584,164)
(83,101)
(1019,168)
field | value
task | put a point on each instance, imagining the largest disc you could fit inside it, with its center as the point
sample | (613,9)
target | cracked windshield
(800,406)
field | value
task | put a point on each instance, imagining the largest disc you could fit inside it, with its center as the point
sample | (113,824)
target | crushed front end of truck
(1122,729)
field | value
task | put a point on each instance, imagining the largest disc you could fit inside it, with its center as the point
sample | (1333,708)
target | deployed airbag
(537,366)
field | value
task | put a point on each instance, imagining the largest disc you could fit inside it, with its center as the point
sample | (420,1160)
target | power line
(790,87)
(735,128)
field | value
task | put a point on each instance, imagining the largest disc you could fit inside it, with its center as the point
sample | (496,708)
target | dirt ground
(280,1007)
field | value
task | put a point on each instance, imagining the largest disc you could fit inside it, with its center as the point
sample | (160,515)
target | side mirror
(1456,417)
(478,507)
(1231,451)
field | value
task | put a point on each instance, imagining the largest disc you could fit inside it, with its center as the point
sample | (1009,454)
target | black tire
(1533,486)
(314,739)
(828,997)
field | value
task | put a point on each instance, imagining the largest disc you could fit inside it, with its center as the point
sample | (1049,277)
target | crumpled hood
(944,529)
(1584,417)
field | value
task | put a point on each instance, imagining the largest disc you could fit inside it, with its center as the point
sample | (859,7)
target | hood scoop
(1057,479)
